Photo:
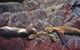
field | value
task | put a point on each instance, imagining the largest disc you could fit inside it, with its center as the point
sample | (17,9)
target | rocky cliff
(39,14)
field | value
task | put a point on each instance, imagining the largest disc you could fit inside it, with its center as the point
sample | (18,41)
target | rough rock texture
(30,5)
(11,7)
(19,19)
(40,14)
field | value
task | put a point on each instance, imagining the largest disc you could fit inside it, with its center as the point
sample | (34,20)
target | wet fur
(12,32)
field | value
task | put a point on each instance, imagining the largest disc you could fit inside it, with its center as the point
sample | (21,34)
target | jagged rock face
(19,19)
(39,14)
(30,5)
(20,1)
(42,43)
(76,24)
(11,7)
(3,20)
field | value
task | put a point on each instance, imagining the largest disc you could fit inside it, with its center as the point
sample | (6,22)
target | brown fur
(63,30)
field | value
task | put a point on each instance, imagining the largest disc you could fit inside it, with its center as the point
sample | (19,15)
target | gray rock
(6,14)
(56,20)
(19,19)
(11,7)
(20,1)
(3,21)
(30,5)
(39,14)
(40,25)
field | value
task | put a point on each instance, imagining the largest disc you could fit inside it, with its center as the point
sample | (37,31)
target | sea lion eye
(48,29)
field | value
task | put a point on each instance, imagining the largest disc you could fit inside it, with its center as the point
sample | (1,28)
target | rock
(30,5)
(19,19)
(3,21)
(39,14)
(56,20)
(11,7)
(41,25)
(20,1)
(76,24)
(12,44)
